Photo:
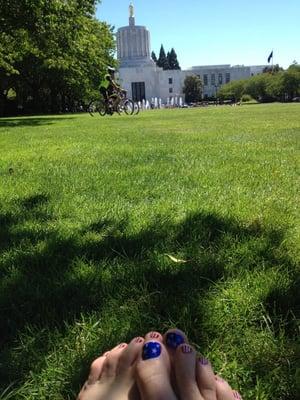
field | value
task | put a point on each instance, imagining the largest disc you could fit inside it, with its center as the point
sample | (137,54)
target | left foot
(112,376)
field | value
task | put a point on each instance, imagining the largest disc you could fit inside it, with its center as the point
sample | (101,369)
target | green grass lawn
(90,209)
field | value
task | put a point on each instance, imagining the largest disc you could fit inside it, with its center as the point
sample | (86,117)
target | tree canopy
(192,89)
(52,53)
(164,61)
(277,86)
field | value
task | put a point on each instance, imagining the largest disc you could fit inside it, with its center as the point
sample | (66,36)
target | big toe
(153,372)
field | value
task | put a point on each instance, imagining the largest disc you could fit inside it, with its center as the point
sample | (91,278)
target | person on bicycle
(108,86)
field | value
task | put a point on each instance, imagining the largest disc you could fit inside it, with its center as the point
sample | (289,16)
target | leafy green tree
(172,60)
(52,53)
(192,89)
(162,61)
(232,90)
(258,87)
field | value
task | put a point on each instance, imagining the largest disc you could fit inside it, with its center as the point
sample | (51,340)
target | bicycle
(116,102)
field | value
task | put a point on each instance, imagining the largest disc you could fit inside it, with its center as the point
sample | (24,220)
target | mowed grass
(90,209)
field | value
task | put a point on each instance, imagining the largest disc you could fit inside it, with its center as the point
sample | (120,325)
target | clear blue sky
(216,32)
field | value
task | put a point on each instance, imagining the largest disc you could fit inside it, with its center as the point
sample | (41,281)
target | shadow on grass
(41,283)
(36,121)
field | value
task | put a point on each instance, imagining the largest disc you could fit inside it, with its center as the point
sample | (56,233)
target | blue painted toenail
(174,340)
(151,350)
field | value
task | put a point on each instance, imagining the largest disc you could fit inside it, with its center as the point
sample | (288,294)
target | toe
(96,369)
(153,372)
(153,335)
(224,391)
(174,338)
(111,362)
(206,379)
(185,366)
(130,354)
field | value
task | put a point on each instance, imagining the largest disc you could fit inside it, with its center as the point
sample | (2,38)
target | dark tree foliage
(172,59)
(52,53)
(153,56)
(168,61)
(272,69)
(192,89)
(162,61)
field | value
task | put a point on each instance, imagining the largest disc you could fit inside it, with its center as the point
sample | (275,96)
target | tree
(153,56)
(172,60)
(192,89)
(52,53)
(272,69)
(162,61)
(232,90)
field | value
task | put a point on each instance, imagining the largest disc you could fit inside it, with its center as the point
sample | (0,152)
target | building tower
(133,44)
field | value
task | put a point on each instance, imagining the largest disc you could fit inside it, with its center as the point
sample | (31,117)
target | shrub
(246,98)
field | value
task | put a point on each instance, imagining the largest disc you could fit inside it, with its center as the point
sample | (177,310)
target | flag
(270,56)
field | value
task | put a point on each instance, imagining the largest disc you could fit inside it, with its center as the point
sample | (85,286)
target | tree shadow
(19,122)
(40,285)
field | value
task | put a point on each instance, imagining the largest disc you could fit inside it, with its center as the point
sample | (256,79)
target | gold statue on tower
(131,10)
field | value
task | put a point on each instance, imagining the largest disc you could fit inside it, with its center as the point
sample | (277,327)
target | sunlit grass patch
(113,227)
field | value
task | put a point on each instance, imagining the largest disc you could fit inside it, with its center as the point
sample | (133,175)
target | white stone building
(142,79)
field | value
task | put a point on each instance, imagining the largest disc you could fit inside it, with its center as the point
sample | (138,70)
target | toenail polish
(186,349)
(204,361)
(174,340)
(138,340)
(154,335)
(236,395)
(151,350)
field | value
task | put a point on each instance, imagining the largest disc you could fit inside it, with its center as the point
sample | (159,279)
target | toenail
(186,349)
(236,395)
(204,361)
(154,335)
(138,340)
(106,354)
(174,340)
(151,350)
(121,346)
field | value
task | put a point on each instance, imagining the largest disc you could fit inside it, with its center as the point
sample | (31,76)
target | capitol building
(143,79)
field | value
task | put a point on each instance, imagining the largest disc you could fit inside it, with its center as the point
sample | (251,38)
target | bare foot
(193,377)
(112,376)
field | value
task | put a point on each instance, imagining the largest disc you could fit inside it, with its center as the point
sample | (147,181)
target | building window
(227,77)
(213,79)
(138,91)
(220,79)
(170,81)
(205,80)
(170,90)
